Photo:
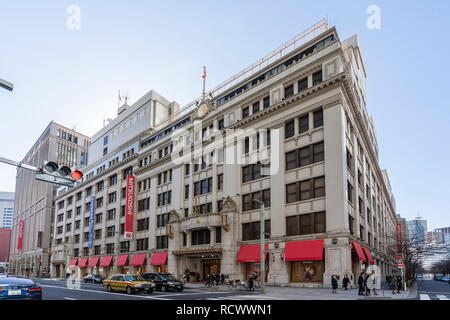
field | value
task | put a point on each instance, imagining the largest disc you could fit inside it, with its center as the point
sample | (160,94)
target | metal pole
(116,251)
(263,264)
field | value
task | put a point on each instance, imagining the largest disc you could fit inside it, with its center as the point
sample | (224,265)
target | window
(98,218)
(251,230)
(144,204)
(79,196)
(289,129)
(127,171)
(220,182)
(318,118)
(162,219)
(164,198)
(142,244)
(142,224)
(306,224)
(249,204)
(186,192)
(266,102)
(305,156)
(110,248)
(303,84)
(69,214)
(256,107)
(113,180)
(125,246)
(304,124)
(112,197)
(78,210)
(100,186)
(245,112)
(77,224)
(122,211)
(98,233)
(199,237)
(105,140)
(203,208)
(246,145)
(111,214)
(218,234)
(68,227)
(203,186)
(252,172)
(317,77)
(221,124)
(162,242)
(105,151)
(97,250)
(289,91)
(61,204)
(349,160)
(349,192)
(350,223)
(99,202)
(219,205)
(305,190)
(187,168)
(110,231)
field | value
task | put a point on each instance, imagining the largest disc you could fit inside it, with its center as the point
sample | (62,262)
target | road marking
(424,297)
(442,297)
(69,298)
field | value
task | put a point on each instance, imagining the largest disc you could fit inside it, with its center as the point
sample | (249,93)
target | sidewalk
(293,293)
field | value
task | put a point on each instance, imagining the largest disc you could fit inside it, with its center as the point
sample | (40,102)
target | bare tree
(441,267)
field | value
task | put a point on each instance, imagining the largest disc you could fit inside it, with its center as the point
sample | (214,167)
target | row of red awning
(360,252)
(158,259)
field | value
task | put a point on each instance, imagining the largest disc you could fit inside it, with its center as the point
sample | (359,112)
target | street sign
(400,264)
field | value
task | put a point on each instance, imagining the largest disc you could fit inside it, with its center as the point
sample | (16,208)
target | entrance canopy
(138,259)
(369,256)
(304,250)
(93,261)
(359,251)
(82,262)
(73,262)
(106,261)
(251,253)
(122,260)
(159,259)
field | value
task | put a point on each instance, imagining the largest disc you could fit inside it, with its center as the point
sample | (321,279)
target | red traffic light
(77,175)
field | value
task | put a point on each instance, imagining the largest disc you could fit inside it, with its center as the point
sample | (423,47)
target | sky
(72,76)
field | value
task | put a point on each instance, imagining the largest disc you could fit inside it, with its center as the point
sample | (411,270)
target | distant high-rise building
(5,237)
(6,209)
(34,205)
(435,237)
(418,230)
(445,234)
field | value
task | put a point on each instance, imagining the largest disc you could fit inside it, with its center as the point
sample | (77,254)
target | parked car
(13,288)
(164,281)
(94,278)
(130,283)
(446,279)
(438,276)
(419,277)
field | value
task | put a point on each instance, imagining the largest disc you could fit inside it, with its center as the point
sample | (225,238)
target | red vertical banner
(19,242)
(129,206)
(399,238)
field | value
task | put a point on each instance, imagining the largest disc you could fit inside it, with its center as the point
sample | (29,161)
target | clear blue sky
(73,76)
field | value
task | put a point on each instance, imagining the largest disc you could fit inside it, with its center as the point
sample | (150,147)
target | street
(433,290)
(58,290)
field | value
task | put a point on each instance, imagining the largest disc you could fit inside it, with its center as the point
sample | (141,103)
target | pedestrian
(222,278)
(371,283)
(250,283)
(399,284)
(345,282)
(361,284)
(393,284)
(334,283)
(366,289)
(208,281)
(188,277)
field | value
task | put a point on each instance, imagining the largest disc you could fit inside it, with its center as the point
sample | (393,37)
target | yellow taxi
(130,283)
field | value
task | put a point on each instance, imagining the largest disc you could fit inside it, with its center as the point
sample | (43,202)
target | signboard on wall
(91,221)
(399,238)
(19,242)
(129,206)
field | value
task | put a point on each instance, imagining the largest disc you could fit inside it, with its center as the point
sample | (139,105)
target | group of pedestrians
(395,283)
(214,279)
(367,283)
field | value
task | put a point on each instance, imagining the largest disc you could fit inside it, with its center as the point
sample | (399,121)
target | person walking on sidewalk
(366,289)
(345,282)
(372,283)
(250,283)
(393,284)
(361,284)
(399,284)
(334,283)
(222,278)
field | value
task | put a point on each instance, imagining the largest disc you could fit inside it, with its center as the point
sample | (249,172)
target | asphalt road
(58,290)
(433,290)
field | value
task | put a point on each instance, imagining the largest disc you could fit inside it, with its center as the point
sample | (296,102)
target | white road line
(67,298)
(442,297)
(424,297)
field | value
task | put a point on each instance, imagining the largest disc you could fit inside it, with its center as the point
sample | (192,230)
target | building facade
(32,227)
(5,238)
(418,231)
(445,235)
(294,135)
(6,209)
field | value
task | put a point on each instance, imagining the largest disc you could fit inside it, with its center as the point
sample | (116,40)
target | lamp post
(116,251)
(262,238)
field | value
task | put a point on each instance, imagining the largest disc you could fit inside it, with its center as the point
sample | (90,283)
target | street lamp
(262,238)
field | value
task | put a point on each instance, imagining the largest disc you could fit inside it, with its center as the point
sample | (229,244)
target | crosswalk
(244,297)
(424,296)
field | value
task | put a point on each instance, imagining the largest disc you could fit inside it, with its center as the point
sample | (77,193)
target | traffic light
(62,175)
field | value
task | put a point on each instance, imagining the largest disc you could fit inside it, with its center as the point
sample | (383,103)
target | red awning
(159,259)
(73,262)
(304,250)
(122,260)
(138,259)
(82,262)
(251,253)
(359,251)
(93,261)
(106,261)
(369,256)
